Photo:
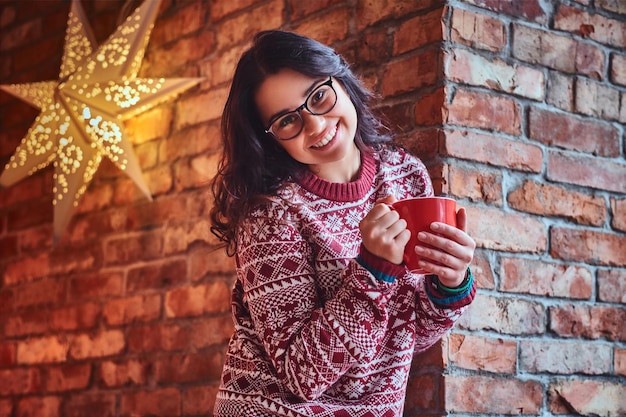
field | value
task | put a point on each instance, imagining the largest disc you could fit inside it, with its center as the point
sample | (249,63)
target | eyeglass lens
(320,101)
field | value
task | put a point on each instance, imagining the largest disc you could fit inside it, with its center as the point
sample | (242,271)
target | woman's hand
(384,233)
(451,251)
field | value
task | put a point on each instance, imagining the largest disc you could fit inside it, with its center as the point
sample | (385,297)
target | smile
(326,139)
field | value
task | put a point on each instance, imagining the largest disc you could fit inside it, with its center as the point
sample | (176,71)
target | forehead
(282,91)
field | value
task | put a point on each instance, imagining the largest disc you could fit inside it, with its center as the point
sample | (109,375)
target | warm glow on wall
(82,114)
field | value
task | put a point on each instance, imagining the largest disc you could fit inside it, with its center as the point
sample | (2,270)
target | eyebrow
(308,91)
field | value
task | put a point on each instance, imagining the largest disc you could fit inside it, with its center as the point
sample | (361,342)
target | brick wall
(518,109)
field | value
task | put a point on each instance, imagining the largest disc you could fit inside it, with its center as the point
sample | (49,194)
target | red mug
(419,213)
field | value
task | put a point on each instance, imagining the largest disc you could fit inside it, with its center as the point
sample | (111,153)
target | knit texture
(316,333)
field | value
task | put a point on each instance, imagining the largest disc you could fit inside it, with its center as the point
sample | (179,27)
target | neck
(344,170)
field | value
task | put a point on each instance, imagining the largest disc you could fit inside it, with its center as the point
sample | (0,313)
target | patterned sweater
(316,333)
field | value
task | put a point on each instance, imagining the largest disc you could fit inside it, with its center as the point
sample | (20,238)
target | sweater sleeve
(310,343)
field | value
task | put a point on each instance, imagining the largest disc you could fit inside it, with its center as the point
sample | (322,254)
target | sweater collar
(338,191)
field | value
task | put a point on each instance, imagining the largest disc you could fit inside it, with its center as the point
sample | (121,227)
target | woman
(327,316)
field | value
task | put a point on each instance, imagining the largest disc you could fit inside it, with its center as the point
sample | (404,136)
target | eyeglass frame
(298,110)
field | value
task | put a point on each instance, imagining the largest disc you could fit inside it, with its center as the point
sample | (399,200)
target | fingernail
(422,235)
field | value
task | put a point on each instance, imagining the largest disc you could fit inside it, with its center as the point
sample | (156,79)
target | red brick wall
(518,108)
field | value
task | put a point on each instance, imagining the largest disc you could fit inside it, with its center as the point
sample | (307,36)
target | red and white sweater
(323,327)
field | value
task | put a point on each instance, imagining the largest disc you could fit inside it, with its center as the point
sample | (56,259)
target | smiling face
(326,142)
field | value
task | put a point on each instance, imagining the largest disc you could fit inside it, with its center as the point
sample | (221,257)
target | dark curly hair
(253,164)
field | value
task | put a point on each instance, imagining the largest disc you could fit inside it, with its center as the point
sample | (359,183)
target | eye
(286,121)
(319,96)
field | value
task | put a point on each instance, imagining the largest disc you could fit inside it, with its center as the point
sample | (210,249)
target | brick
(124,373)
(204,262)
(26,323)
(483,353)
(161,337)
(369,13)
(200,108)
(602,29)
(587,398)
(188,50)
(84,316)
(476,184)
(200,400)
(556,129)
(157,275)
(8,246)
(182,21)
(180,236)
(27,269)
(552,200)
(589,322)
(123,250)
(198,300)
(470,68)
(478,31)
(19,381)
(93,404)
(493,150)
(601,174)
(428,109)
(98,285)
(597,100)
(189,367)
(39,406)
(620,361)
(196,172)
(156,212)
(97,224)
(418,32)
(211,331)
(482,394)
(104,343)
(412,72)
(612,6)
(189,142)
(612,286)
(301,9)
(542,278)
(165,402)
(556,357)
(505,315)
(21,35)
(481,269)
(595,248)
(220,9)
(31,188)
(618,213)
(618,69)
(7,354)
(485,111)
(45,349)
(560,92)
(140,308)
(68,377)
(424,392)
(557,52)
(327,28)
(6,405)
(242,27)
(149,125)
(495,229)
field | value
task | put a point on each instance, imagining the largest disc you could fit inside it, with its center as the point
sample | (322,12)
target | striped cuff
(381,269)
(451,297)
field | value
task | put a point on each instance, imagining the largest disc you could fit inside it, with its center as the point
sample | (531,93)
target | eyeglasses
(289,125)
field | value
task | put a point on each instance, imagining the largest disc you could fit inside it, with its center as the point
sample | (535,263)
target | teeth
(326,139)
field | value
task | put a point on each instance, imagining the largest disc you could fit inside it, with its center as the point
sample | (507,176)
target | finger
(461,219)
(388,199)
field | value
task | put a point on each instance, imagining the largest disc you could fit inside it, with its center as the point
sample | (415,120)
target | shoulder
(391,155)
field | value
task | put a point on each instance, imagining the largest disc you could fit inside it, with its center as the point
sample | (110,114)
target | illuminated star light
(82,114)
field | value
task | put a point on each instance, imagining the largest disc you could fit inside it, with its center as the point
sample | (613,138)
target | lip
(329,140)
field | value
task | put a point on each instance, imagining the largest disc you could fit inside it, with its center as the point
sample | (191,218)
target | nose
(313,124)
